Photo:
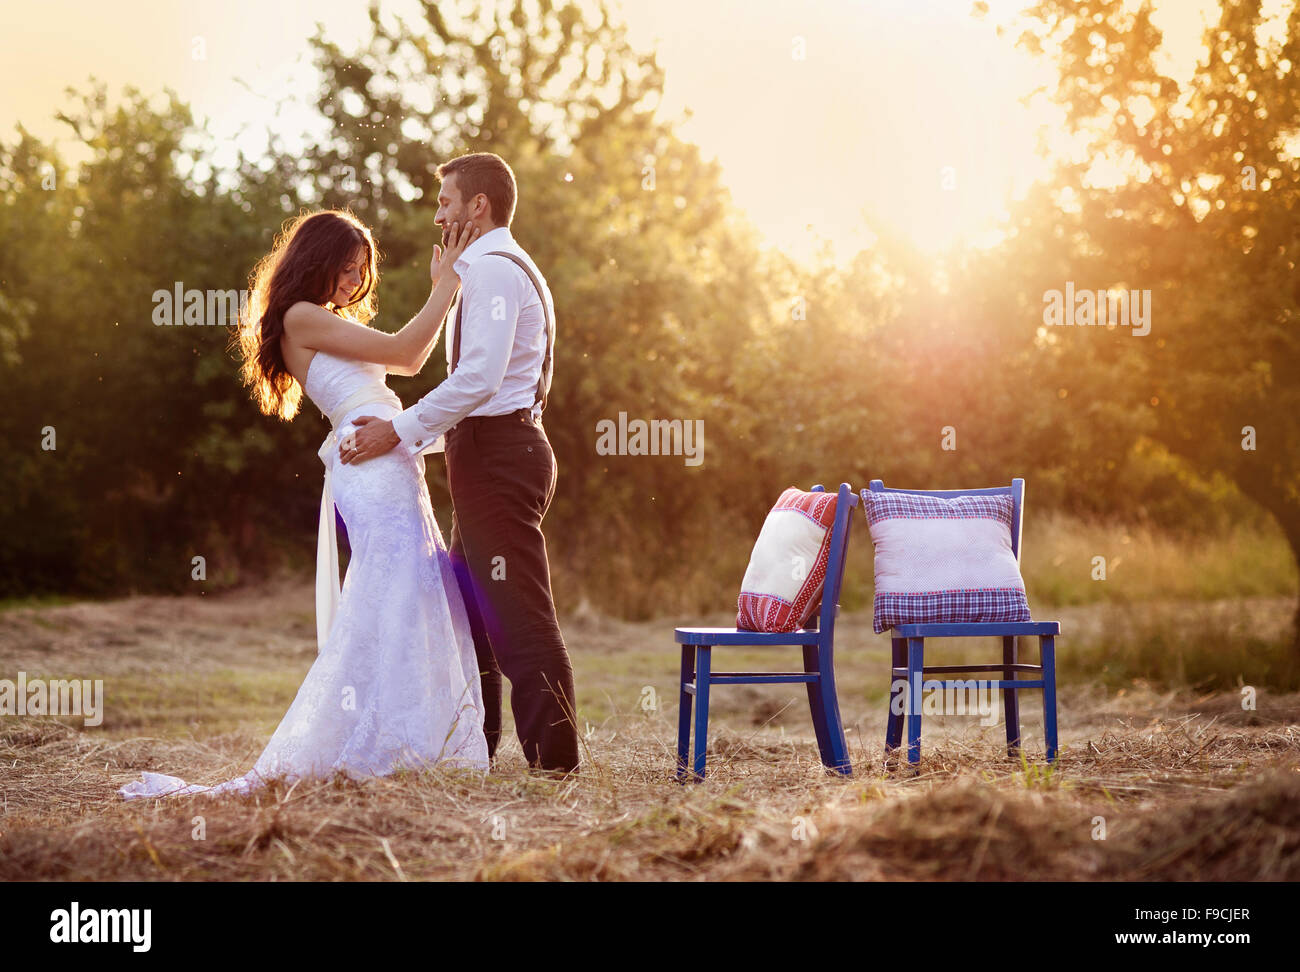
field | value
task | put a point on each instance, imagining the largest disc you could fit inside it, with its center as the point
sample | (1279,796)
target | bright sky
(900,113)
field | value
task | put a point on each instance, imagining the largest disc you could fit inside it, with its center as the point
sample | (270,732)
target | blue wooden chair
(818,662)
(908,643)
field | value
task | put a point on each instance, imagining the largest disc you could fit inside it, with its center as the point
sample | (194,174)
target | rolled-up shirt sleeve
(490,293)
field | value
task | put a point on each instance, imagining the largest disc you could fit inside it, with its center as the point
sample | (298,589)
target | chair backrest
(1016,491)
(844,505)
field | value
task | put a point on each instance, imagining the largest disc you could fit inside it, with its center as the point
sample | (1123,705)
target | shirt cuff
(415,437)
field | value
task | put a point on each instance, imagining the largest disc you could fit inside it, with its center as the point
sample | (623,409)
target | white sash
(328,592)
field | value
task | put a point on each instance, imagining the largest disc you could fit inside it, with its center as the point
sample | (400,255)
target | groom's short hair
(489,174)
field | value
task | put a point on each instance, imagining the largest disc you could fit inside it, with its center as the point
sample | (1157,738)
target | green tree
(152,432)
(1205,219)
(659,289)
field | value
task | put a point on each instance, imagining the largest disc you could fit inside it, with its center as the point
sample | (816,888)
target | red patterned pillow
(786,571)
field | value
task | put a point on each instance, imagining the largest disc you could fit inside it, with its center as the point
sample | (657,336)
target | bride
(395,683)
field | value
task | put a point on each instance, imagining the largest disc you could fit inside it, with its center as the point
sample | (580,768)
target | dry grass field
(1151,784)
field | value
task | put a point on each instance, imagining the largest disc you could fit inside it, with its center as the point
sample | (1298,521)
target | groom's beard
(446,231)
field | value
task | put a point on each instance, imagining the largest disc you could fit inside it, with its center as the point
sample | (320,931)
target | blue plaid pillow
(943,559)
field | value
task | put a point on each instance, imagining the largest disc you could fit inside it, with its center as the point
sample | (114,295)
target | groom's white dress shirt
(502,347)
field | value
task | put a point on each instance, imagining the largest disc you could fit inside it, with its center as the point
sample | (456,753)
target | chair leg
(703,664)
(1011,697)
(684,711)
(894,725)
(829,705)
(915,666)
(812,663)
(835,724)
(1047,651)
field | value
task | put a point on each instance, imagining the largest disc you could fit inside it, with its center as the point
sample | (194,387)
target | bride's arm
(415,367)
(312,326)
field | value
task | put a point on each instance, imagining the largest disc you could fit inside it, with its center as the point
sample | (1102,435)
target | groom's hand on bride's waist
(373,437)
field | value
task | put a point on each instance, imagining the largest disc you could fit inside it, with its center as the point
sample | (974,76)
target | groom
(500,466)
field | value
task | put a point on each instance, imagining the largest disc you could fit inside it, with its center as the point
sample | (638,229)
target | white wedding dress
(395,684)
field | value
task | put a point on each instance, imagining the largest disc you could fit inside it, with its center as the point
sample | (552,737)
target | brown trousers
(502,472)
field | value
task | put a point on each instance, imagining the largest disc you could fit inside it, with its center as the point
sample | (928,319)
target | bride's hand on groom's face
(456,236)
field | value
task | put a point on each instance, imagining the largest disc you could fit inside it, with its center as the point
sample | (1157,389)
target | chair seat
(737,636)
(971,630)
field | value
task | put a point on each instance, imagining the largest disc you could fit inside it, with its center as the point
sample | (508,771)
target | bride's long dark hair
(304,264)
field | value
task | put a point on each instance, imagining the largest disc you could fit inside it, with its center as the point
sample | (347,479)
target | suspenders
(544,382)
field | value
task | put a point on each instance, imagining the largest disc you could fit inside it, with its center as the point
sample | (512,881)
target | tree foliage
(667,307)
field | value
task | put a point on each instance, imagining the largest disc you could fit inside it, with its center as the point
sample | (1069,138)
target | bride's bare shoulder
(304,311)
